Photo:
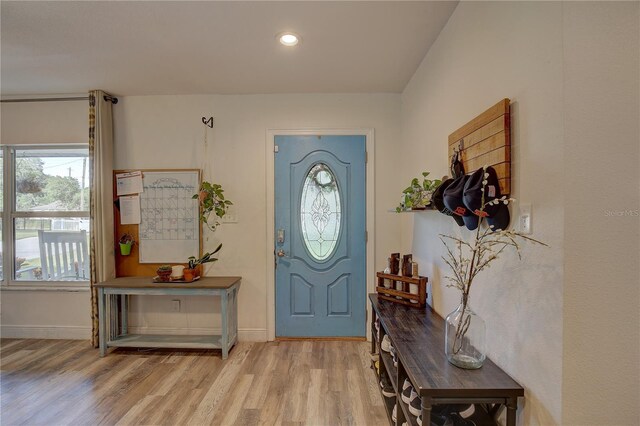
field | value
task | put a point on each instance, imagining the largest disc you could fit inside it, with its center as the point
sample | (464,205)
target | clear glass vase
(465,337)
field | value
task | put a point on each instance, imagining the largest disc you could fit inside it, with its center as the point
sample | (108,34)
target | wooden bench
(418,337)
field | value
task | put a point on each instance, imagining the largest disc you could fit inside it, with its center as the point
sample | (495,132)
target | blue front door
(320,234)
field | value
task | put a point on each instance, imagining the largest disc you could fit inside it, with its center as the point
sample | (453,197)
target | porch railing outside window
(45,215)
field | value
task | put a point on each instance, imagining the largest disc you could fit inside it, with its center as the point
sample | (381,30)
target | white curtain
(101,210)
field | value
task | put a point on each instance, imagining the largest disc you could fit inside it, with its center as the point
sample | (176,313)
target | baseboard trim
(322,339)
(244,334)
(72,332)
(82,333)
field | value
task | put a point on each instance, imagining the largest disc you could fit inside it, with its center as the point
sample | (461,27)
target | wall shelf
(428,209)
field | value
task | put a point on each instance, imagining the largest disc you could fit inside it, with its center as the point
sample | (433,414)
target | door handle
(281,253)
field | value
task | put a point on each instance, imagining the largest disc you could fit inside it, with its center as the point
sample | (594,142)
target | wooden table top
(147,282)
(418,335)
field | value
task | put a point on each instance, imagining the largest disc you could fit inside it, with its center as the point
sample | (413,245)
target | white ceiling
(205,47)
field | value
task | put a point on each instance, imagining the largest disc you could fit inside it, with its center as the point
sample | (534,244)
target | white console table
(113,327)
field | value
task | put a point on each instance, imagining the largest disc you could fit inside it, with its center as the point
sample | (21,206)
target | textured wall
(489,51)
(601,376)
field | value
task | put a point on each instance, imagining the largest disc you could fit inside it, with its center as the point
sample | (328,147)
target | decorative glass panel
(320,212)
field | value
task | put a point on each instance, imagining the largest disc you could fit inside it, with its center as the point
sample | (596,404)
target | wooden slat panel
(486,140)
(482,137)
(493,143)
(501,169)
(499,109)
(490,158)
(486,131)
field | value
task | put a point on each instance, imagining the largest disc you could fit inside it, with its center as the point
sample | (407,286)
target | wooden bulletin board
(486,140)
(130,266)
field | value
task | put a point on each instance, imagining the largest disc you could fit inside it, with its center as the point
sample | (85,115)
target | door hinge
(275,148)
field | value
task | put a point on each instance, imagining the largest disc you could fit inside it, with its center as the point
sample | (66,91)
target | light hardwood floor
(46,382)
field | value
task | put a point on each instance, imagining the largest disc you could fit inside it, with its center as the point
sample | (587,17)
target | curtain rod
(107,98)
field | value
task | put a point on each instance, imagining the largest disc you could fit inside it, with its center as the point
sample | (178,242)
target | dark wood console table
(114,327)
(418,337)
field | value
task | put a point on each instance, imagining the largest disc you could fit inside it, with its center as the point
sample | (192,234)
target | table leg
(102,321)
(426,410)
(234,315)
(124,312)
(512,407)
(225,324)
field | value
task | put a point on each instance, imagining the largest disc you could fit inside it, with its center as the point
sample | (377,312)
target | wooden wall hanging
(486,140)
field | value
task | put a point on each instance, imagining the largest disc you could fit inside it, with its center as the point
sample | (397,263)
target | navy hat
(438,201)
(497,215)
(453,201)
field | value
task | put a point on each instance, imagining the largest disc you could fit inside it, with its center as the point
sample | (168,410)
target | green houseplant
(212,200)
(193,264)
(164,272)
(418,194)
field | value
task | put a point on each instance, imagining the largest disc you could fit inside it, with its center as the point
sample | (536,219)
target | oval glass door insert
(320,212)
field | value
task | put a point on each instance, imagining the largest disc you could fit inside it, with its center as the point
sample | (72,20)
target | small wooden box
(406,297)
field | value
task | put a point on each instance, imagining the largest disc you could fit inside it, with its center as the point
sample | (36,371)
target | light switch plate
(525,224)
(231,216)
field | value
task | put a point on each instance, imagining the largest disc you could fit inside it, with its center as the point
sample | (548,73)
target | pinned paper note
(129,183)
(130,210)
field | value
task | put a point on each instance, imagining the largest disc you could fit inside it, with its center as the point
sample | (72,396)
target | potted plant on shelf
(417,195)
(164,272)
(126,242)
(192,270)
(212,200)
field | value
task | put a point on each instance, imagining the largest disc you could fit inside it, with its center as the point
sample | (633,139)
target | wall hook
(208,121)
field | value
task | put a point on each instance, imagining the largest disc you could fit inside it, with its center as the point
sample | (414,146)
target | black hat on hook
(453,201)
(495,210)
(438,201)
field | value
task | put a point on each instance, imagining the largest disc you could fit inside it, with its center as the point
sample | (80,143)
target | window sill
(34,286)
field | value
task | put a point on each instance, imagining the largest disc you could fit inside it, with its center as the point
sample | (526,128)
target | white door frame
(270,183)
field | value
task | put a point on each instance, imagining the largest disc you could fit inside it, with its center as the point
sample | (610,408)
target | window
(45,215)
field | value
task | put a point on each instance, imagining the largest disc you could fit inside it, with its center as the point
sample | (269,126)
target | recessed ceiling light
(288,39)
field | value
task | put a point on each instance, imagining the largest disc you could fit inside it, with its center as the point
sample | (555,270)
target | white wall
(600,373)
(486,52)
(166,132)
(45,313)
(564,321)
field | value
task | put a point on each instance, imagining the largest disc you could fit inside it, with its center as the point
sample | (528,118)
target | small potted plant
(192,269)
(164,272)
(126,242)
(417,196)
(212,200)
